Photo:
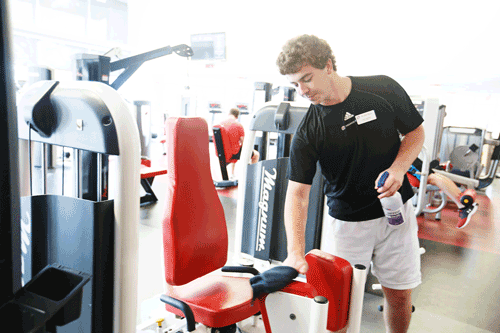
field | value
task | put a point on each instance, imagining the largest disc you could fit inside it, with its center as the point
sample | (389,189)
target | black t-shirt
(354,141)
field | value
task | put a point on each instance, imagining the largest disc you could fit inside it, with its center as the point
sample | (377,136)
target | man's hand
(321,254)
(410,147)
(298,262)
(392,183)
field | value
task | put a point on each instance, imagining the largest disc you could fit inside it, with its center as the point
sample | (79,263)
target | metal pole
(77,173)
(99,177)
(44,168)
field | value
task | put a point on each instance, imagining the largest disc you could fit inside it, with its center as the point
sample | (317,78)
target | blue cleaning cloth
(272,280)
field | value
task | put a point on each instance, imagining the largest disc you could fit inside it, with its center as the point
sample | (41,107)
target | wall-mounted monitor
(209,46)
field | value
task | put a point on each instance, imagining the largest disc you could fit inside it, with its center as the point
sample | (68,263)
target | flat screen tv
(209,46)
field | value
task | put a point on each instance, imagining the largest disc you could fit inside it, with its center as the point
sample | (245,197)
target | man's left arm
(411,145)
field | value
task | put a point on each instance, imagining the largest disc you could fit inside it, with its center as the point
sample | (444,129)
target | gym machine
(261,204)
(214,108)
(54,296)
(262,145)
(263,93)
(35,74)
(331,295)
(465,157)
(220,136)
(261,237)
(441,141)
(90,67)
(143,114)
(243,107)
(96,237)
(433,115)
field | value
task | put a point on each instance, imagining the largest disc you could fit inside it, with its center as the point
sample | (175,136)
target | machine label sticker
(267,185)
(366,117)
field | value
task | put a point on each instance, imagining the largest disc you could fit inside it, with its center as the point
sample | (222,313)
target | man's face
(313,83)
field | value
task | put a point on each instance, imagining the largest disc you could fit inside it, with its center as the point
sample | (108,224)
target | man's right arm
(296,204)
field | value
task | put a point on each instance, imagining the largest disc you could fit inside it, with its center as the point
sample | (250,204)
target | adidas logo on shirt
(348,116)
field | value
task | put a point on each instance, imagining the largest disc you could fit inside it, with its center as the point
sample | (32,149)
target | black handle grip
(240,269)
(186,310)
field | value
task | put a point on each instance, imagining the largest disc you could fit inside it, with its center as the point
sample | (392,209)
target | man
(236,134)
(353,129)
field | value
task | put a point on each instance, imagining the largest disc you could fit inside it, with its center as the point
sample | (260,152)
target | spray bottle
(393,205)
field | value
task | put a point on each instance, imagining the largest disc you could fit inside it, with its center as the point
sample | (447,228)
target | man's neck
(341,87)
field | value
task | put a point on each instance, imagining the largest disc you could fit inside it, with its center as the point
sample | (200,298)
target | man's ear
(329,66)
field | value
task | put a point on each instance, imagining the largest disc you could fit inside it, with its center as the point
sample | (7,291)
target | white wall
(445,48)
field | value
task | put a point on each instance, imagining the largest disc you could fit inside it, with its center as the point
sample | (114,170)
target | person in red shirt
(236,134)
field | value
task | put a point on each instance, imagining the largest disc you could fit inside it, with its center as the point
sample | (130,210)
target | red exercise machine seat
(328,278)
(195,234)
(215,300)
(225,150)
(229,150)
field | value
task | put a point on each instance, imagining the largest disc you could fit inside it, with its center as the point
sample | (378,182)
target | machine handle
(282,116)
(38,111)
(186,310)
(240,269)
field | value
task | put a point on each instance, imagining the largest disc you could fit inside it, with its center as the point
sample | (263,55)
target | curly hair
(302,50)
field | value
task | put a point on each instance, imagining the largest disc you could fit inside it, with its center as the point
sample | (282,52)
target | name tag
(366,117)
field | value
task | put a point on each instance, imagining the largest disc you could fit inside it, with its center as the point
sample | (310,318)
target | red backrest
(332,279)
(194,227)
(228,149)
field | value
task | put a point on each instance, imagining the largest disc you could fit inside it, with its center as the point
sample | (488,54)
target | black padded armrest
(186,310)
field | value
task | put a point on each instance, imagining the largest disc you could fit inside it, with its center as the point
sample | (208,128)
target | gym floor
(459,292)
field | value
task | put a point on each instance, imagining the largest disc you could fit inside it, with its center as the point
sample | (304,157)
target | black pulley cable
(62,171)
(29,159)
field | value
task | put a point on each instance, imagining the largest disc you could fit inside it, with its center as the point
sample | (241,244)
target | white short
(393,252)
